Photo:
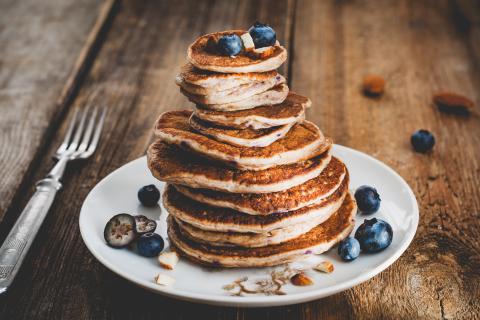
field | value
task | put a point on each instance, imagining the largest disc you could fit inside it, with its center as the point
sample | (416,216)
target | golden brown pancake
(240,137)
(207,217)
(232,95)
(209,80)
(202,58)
(291,110)
(303,141)
(272,96)
(316,241)
(171,164)
(310,192)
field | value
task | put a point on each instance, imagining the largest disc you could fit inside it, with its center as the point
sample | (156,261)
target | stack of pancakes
(250,182)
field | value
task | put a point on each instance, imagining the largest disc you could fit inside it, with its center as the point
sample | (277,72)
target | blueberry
(349,249)
(229,45)
(374,235)
(422,141)
(150,244)
(149,195)
(119,231)
(368,199)
(263,35)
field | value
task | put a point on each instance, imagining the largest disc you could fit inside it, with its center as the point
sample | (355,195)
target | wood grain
(40,42)
(133,75)
(420,47)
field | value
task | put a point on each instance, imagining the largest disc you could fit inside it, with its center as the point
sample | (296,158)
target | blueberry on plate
(374,235)
(263,35)
(349,249)
(422,141)
(150,244)
(120,230)
(144,225)
(368,199)
(229,45)
(149,195)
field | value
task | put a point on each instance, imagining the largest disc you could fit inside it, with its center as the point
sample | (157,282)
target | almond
(300,279)
(168,260)
(247,41)
(453,103)
(261,53)
(164,280)
(325,266)
(373,85)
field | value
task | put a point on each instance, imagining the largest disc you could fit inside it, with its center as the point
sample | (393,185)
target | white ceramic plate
(118,193)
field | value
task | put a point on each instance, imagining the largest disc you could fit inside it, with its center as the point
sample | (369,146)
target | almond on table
(373,85)
(453,103)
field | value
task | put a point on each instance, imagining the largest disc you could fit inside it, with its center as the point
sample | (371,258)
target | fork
(80,142)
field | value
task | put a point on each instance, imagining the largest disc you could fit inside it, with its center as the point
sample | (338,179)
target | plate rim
(261,301)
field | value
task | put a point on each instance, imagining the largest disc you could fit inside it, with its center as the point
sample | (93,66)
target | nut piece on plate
(247,41)
(261,53)
(164,280)
(168,260)
(300,279)
(373,85)
(453,103)
(325,266)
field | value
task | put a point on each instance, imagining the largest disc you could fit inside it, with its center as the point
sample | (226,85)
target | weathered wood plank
(40,43)
(134,76)
(419,47)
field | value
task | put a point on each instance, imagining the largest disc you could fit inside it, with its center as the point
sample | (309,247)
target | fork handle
(20,238)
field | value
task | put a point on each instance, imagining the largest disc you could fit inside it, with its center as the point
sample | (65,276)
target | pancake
(174,165)
(316,241)
(238,93)
(273,96)
(303,141)
(201,58)
(291,110)
(251,240)
(310,192)
(240,137)
(210,218)
(205,81)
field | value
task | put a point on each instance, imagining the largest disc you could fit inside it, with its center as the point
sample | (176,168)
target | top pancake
(200,57)
(292,109)
(302,142)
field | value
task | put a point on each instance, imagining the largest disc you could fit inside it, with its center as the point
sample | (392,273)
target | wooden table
(59,56)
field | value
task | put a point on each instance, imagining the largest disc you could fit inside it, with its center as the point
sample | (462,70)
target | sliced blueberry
(144,225)
(349,249)
(422,141)
(120,230)
(229,45)
(374,235)
(149,195)
(263,35)
(368,199)
(150,244)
